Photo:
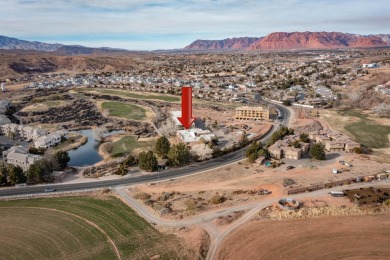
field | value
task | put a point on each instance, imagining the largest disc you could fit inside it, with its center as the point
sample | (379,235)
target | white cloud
(177,23)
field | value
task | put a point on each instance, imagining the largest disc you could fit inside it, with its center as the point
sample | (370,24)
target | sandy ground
(349,237)
(246,177)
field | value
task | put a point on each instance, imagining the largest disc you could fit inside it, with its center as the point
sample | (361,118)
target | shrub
(165,196)
(217,199)
(190,204)
(142,196)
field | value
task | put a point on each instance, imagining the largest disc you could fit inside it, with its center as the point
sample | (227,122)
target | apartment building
(252,113)
(50,140)
(19,156)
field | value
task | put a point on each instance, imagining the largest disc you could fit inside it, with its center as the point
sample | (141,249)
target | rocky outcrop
(315,40)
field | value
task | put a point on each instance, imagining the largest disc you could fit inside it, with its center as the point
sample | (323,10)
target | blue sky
(163,24)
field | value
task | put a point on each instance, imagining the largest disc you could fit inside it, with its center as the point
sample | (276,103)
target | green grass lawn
(80,228)
(124,110)
(129,94)
(127,145)
(368,132)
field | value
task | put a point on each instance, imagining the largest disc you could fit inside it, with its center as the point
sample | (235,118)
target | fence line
(325,185)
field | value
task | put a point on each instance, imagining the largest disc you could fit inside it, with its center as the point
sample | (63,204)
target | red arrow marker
(186,118)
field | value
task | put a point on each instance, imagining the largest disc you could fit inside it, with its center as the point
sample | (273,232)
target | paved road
(165,175)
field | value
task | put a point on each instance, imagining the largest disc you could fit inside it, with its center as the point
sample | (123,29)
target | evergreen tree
(317,151)
(179,154)
(244,139)
(129,161)
(15,175)
(39,171)
(62,158)
(3,173)
(147,161)
(303,137)
(162,147)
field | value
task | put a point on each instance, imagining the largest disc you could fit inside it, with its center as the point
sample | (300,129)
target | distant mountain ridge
(8,43)
(294,40)
(273,41)
(229,43)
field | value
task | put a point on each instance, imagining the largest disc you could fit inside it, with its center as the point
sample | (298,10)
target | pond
(88,154)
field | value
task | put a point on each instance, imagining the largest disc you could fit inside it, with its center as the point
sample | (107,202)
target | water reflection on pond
(88,154)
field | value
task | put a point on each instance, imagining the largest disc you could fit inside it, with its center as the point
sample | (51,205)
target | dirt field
(85,227)
(238,182)
(352,237)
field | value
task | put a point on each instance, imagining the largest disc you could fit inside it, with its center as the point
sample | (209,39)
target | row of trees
(176,154)
(278,135)
(38,172)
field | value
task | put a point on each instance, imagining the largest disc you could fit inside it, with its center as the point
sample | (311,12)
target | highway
(164,175)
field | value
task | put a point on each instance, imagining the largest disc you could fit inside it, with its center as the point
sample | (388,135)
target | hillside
(7,43)
(16,63)
(315,40)
(229,43)
(294,40)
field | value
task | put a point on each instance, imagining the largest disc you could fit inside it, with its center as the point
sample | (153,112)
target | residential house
(350,145)
(194,136)
(334,146)
(292,153)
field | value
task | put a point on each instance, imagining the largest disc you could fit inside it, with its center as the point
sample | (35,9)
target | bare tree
(168,129)
(202,151)
(99,132)
(355,97)
(383,110)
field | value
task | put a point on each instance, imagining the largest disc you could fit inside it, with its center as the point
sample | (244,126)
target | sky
(163,24)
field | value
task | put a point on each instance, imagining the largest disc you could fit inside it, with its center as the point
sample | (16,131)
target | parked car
(50,190)
(290,167)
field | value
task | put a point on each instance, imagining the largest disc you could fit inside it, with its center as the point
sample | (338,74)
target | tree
(244,139)
(215,125)
(3,173)
(147,161)
(303,137)
(287,102)
(317,151)
(129,161)
(179,154)
(296,144)
(39,171)
(15,175)
(162,147)
(254,151)
(122,170)
(383,110)
(278,135)
(62,158)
